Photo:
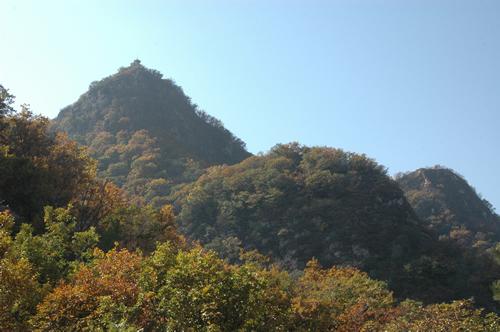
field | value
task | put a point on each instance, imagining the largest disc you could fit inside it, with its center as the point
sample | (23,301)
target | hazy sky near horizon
(409,83)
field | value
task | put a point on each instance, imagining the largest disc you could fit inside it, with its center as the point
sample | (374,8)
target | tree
(37,168)
(454,317)
(6,101)
(19,294)
(195,290)
(19,289)
(495,286)
(139,227)
(99,295)
(326,299)
(54,253)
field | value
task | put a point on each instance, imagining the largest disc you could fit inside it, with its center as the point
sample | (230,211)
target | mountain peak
(445,199)
(138,111)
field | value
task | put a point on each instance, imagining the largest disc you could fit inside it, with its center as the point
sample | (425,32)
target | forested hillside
(146,133)
(296,203)
(298,239)
(451,206)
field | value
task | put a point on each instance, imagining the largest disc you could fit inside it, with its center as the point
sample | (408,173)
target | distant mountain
(146,133)
(451,206)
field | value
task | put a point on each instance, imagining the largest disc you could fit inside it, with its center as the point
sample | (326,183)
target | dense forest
(134,210)
(146,134)
(296,203)
(451,207)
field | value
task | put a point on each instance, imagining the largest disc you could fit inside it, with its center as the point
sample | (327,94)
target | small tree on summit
(6,100)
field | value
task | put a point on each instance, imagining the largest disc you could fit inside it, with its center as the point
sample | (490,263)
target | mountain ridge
(451,206)
(146,133)
(293,203)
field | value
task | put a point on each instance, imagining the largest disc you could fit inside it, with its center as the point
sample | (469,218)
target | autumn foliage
(78,253)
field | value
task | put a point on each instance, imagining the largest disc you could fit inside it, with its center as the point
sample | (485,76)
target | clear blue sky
(409,83)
